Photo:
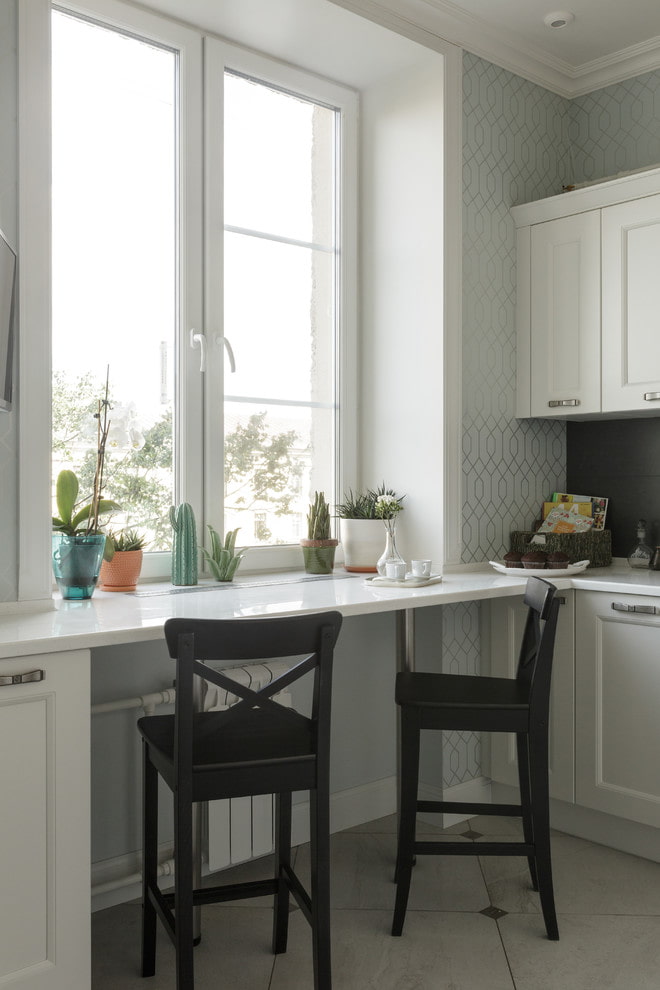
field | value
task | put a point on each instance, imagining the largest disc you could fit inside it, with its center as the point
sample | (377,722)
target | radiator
(241,828)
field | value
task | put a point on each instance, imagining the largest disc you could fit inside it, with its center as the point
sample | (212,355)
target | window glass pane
(279,309)
(279,317)
(114,264)
(278,162)
(275,455)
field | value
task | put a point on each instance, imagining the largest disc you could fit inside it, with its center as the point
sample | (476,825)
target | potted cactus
(319,548)
(122,564)
(222,560)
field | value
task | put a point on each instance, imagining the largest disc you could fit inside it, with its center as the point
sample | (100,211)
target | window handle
(198,339)
(230,353)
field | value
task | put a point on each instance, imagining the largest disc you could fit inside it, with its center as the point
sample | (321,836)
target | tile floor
(608,905)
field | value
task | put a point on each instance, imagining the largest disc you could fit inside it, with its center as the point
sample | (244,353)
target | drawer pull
(651,396)
(643,609)
(28,678)
(554,403)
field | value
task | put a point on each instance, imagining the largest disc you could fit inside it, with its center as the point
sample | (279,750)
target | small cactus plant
(184,549)
(222,561)
(319,548)
(318,518)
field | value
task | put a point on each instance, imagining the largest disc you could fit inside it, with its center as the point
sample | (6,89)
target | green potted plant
(222,560)
(362,527)
(122,562)
(319,547)
(78,541)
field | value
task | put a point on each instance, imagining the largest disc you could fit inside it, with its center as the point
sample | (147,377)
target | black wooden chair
(257,746)
(480,704)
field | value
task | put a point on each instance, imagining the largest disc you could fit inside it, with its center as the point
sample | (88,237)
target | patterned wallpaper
(515,149)
(520,143)
(616,129)
(8,421)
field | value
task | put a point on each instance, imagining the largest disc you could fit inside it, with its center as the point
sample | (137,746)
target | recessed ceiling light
(559,19)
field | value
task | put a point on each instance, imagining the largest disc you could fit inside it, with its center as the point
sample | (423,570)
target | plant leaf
(66,493)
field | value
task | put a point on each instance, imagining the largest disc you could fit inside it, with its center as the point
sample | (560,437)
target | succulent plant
(222,560)
(318,518)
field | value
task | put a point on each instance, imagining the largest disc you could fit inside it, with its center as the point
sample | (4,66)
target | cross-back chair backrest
(310,639)
(538,642)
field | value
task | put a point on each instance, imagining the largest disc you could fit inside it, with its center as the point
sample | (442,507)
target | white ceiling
(608,41)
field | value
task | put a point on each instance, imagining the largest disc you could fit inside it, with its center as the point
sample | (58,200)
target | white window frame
(199,306)
(219,57)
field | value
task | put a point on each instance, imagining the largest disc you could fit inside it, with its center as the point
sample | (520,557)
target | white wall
(8,225)
(401,393)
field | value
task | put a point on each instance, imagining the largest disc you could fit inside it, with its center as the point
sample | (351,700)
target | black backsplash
(620,460)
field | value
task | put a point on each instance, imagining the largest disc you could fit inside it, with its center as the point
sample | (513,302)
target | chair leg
(319,821)
(149,860)
(410,733)
(282,859)
(522,745)
(183,894)
(538,750)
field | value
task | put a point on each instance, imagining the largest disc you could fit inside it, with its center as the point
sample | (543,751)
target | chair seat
(221,740)
(239,753)
(458,701)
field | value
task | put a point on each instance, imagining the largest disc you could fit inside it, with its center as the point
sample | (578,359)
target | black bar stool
(487,704)
(255,747)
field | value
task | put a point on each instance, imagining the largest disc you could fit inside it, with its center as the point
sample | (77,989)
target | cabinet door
(565,316)
(506,629)
(44,823)
(631,306)
(617,705)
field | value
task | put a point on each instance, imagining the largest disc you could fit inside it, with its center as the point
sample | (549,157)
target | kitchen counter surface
(109,619)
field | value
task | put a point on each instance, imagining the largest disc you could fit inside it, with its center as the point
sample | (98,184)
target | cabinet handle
(644,609)
(28,678)
(651,396)
(569,402)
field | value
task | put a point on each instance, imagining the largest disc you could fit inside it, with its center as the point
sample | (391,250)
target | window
(213,298)
(114,264)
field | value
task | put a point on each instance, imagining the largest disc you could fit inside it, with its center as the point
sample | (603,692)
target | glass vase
(76,563)
(390,552)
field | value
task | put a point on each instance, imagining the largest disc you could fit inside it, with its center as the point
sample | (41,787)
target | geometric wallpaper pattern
(616,129)
(515,149)
(520,143)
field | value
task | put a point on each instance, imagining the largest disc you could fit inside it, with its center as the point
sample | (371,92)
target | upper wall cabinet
(588,301)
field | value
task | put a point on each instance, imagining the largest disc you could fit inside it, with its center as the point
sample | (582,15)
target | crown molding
(436,22)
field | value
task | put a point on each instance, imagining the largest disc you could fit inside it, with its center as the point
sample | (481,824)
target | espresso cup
(421,568)
(395,569)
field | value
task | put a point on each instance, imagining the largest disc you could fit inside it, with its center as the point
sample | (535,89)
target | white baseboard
(477,790)
(114,881)
(348,808)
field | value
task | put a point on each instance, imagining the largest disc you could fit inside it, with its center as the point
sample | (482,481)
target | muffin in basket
(534,560)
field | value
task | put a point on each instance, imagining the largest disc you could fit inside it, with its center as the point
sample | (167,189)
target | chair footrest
(473,849)
(470,808)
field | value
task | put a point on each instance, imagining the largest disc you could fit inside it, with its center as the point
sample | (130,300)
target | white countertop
(111,618)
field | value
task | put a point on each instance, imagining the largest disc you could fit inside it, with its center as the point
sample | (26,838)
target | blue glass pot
(76,564)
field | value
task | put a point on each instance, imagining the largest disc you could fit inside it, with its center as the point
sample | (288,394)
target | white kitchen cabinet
(631,306)
(507,620)
(588,301)
(617,705)
(44,822)
(565,315)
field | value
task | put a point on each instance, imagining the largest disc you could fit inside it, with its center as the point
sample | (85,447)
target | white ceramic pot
(362,541)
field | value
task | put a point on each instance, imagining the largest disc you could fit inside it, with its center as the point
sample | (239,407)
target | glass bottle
(390,552)
(641,554)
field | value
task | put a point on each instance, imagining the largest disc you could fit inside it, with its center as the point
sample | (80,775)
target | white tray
(546,572)
(410,581)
